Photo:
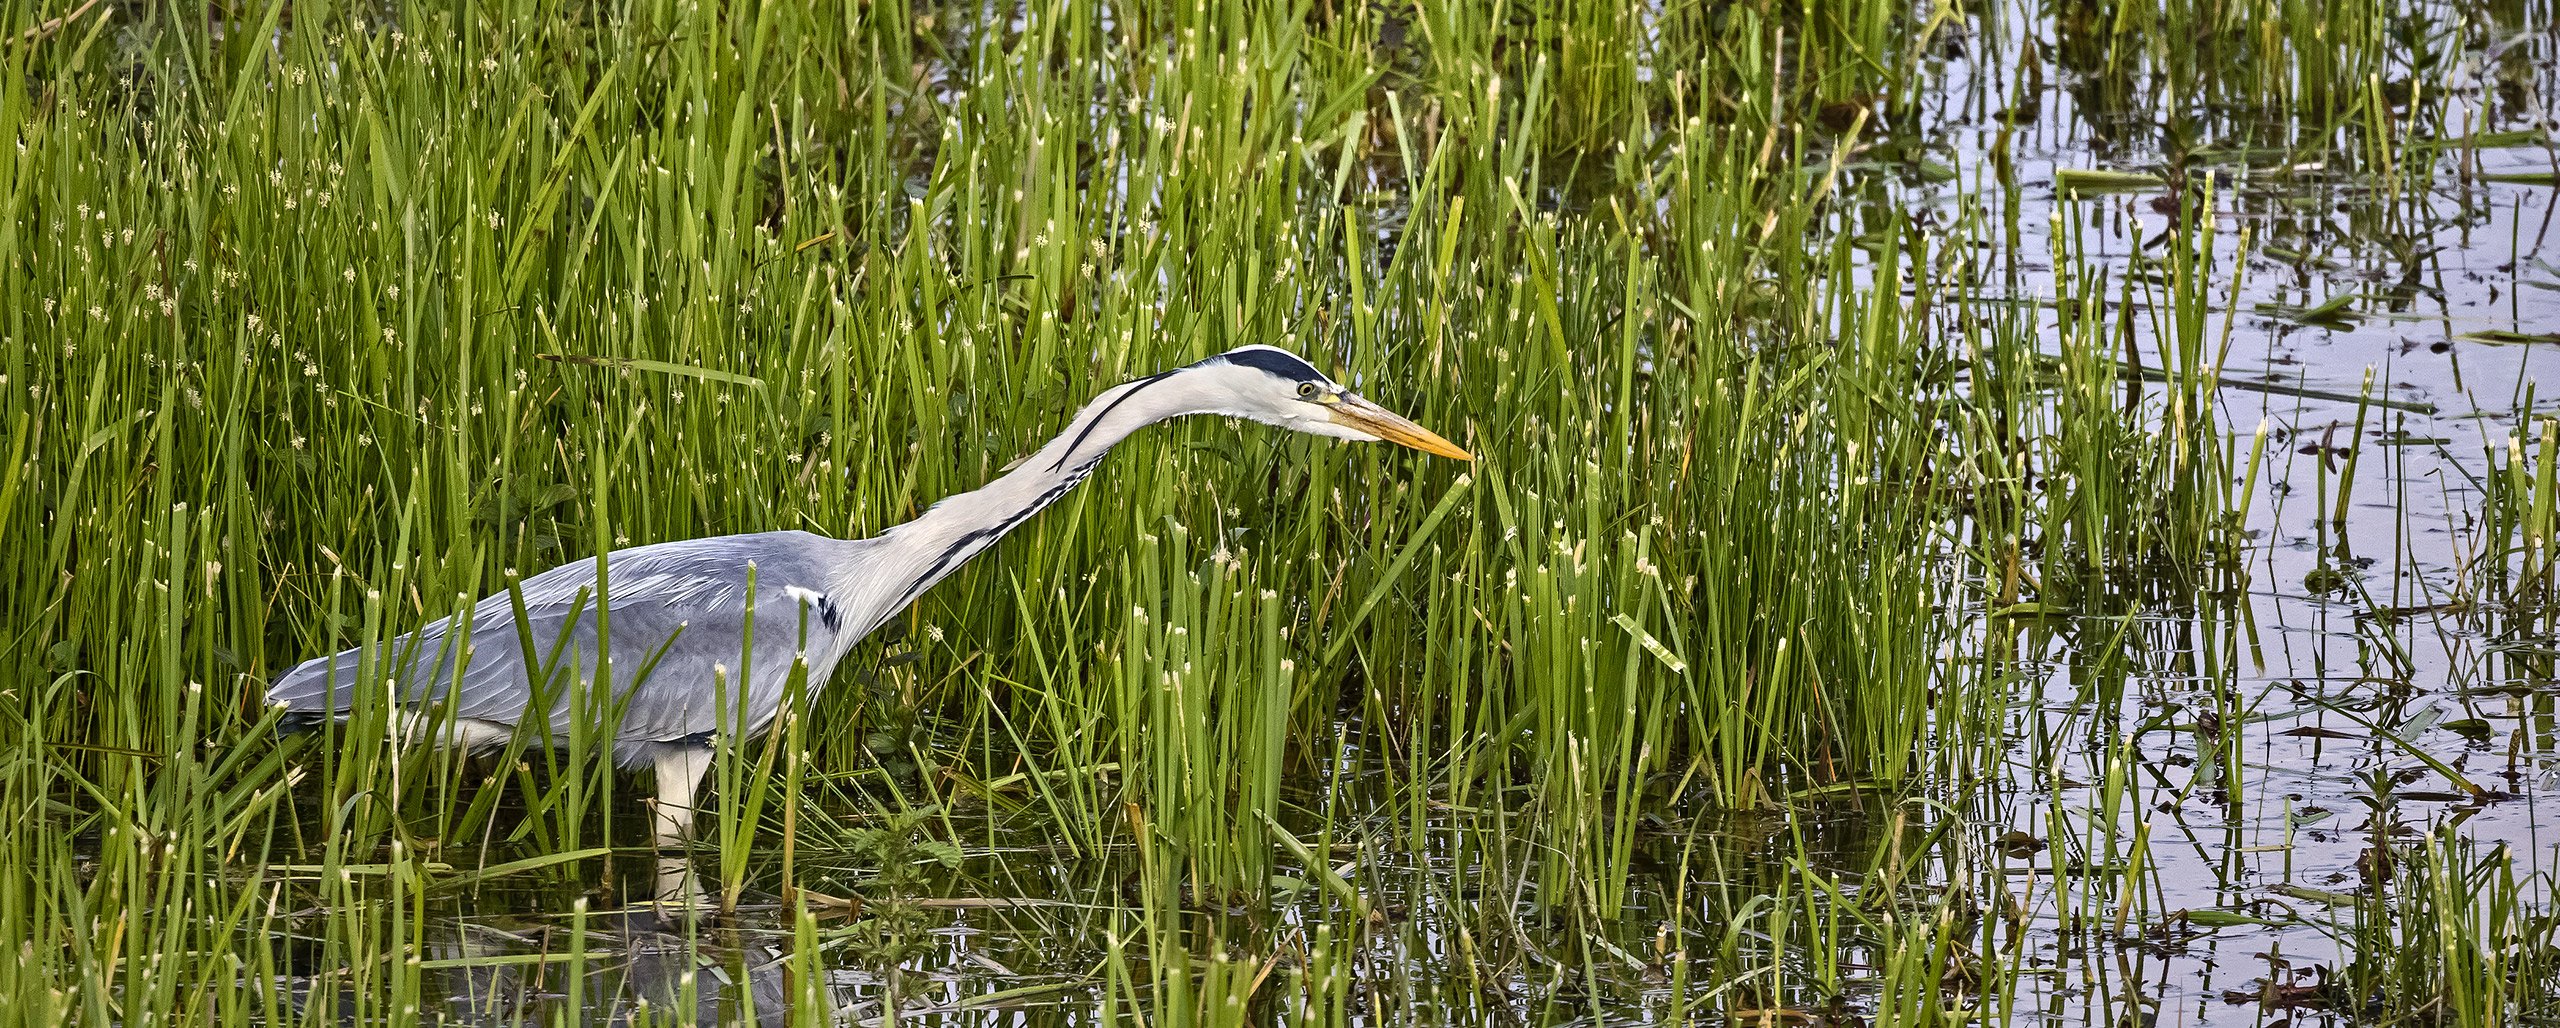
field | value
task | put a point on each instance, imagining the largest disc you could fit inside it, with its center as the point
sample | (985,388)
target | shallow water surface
(2241,765)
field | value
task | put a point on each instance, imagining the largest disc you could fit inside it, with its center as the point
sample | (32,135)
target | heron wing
(681,641)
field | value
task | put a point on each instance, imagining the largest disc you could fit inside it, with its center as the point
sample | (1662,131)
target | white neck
(912,557)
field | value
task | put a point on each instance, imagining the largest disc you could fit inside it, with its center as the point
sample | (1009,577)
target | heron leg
(678,887)
(680,771)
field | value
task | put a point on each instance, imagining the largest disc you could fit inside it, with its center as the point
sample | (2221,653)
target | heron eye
(1306,390)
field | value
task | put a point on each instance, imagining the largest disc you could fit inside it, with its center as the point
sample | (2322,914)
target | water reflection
(650,964)
(677,885)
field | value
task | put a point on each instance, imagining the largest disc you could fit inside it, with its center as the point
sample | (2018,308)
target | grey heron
(678,614)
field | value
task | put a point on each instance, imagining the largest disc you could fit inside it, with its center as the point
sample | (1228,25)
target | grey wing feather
(678,617)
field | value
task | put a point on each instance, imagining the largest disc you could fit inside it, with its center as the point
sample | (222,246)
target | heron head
(1276,387)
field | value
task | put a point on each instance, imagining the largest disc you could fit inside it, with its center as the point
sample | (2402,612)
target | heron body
(700,638)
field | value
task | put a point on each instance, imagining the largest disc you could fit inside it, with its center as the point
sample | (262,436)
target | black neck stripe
(1106,412)
(971,542)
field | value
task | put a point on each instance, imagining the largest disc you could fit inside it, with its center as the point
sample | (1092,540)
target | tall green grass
(322,320)
(2461,938)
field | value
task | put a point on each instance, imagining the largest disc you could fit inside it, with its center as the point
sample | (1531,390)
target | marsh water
(2266,745)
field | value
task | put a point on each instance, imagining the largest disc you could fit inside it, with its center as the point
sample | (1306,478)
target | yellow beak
(1353,412)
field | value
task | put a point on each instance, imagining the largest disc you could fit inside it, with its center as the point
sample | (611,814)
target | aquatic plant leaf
(2099,180)
(2509,336)
(2214,917)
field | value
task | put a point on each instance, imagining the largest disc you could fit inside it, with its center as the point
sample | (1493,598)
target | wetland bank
(2024,513)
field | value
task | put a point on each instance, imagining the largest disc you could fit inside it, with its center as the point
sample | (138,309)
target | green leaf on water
(2213,917)
(2524,178)
(2287,253)
(2425,719)
(2485,141)
(2509,336)
(2305,892)
(2099,180)
(2333,308)
(2336,310)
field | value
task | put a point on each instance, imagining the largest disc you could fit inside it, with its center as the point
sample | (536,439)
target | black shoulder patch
(296,722)
(1277,362)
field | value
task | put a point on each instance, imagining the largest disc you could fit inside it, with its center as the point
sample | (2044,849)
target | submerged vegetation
(2017,513)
